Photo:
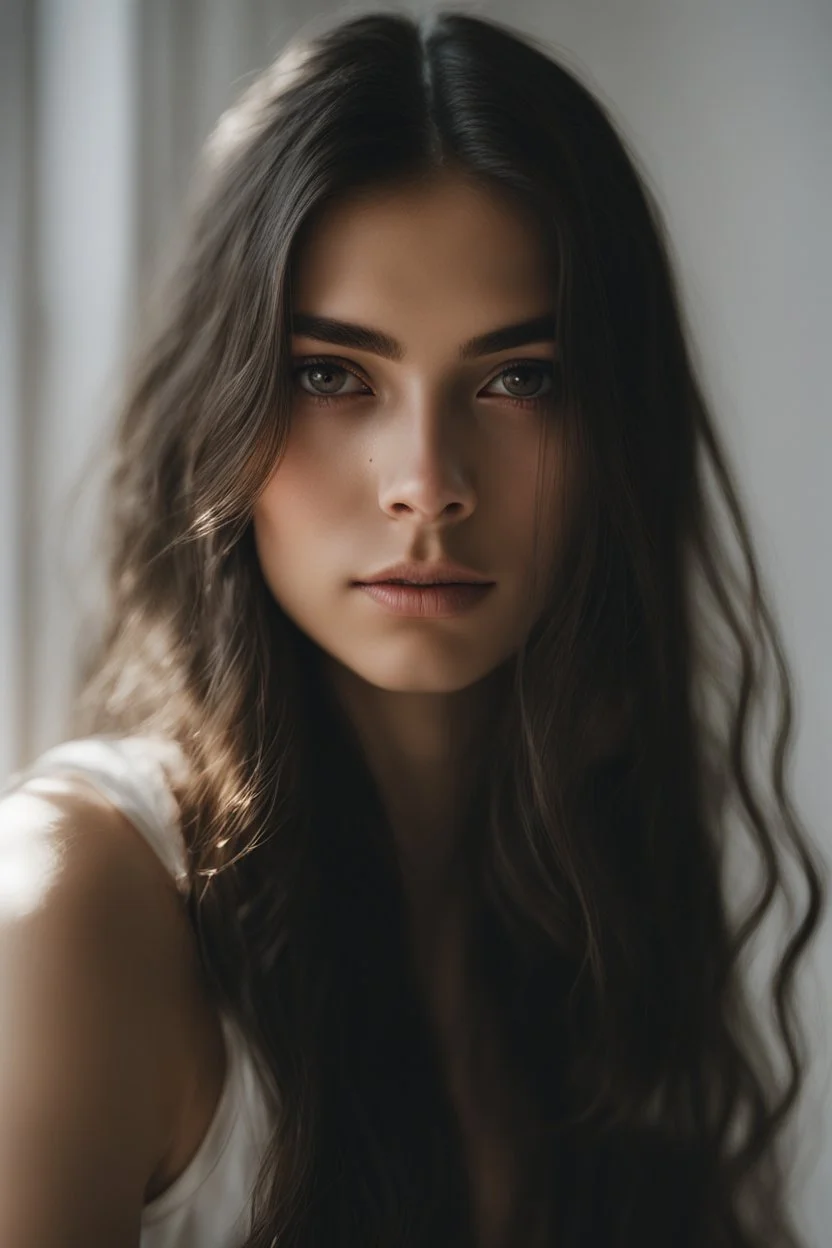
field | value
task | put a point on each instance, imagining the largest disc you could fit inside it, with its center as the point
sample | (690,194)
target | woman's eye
(525,381)
(325,378)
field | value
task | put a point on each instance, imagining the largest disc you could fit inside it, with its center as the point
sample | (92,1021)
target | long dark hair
(599,833)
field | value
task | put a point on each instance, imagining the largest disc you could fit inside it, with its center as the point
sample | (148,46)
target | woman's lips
(427,601)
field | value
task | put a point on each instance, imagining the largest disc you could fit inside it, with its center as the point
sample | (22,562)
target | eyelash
(543,366)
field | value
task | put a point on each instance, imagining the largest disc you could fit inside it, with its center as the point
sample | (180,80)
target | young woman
(378,896)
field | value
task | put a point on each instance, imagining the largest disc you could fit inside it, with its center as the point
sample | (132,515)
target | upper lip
(443,571)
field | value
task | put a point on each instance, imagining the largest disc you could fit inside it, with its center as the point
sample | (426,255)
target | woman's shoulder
(133,776)
(75,863)
(97,965)
(62,838)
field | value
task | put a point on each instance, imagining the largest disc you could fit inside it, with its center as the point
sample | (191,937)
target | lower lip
(429,601)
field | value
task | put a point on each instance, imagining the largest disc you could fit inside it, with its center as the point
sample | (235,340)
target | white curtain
(105,104)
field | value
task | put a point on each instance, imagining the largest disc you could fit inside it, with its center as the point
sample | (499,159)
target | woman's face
(425,456)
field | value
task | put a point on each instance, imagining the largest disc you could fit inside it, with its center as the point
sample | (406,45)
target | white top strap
(133,773)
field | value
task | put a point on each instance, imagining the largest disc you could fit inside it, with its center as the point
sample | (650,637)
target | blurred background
(728,103)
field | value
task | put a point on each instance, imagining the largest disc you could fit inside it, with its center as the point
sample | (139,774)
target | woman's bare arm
(88,984)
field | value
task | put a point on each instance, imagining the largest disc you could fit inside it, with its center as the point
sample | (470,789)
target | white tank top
(208,1206)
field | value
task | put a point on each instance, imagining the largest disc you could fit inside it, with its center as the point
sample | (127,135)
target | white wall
(729,103)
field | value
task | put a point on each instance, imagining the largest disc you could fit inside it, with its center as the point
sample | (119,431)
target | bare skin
(101,976)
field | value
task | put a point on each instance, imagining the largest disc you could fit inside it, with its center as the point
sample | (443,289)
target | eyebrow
(362,338)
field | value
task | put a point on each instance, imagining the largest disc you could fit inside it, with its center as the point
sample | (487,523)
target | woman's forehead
(444,237)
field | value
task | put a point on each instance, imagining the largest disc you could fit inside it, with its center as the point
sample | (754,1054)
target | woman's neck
(422,750)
